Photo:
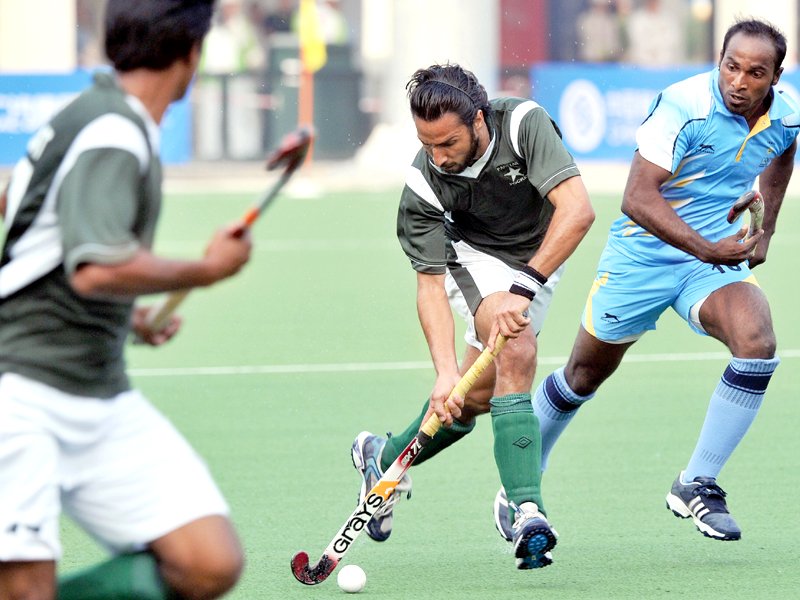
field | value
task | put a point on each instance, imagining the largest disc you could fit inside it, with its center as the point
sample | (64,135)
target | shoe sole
(533,549)
(680,510)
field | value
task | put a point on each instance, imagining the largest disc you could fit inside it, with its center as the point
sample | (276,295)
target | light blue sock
(554,404)
(733,406)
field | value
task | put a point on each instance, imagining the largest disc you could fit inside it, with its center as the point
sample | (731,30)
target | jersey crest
(514,172)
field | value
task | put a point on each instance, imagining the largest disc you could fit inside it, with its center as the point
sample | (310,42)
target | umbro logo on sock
(523,442)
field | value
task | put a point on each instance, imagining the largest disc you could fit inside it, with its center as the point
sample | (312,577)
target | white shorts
(488,275)
(117,467)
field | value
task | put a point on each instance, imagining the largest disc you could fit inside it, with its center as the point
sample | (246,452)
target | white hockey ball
(351,579)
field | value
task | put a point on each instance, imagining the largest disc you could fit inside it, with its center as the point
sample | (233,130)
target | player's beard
(472,157)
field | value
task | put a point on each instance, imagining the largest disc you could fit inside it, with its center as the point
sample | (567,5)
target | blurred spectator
(599,36)
(230,75)
(232,44)
(656,35)
(279,19)
(333,24)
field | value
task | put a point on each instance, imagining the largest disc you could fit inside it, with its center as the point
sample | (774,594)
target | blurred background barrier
(237,116)
(241,116)
(27,101)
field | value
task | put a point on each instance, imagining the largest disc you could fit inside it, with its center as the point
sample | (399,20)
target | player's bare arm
(644,204)
(436,319)
(146,273)
(3,202)
(570,223)
(772,184)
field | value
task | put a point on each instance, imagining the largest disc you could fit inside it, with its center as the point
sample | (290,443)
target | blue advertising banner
(28,101)
(599,107)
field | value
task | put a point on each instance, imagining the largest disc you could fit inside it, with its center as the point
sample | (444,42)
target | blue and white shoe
(534,538)
(366,454)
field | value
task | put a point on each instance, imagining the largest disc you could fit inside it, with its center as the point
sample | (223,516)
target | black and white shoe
(704,501)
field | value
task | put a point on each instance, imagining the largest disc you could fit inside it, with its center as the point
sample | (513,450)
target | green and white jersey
(498,205)
(87,191)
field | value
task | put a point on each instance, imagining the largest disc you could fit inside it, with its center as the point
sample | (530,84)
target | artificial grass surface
(253,382)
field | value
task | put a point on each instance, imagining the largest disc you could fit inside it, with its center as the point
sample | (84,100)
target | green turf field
(276,372)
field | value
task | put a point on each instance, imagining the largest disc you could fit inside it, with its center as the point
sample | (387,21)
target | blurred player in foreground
(491,209)
(80,214)
(702,145)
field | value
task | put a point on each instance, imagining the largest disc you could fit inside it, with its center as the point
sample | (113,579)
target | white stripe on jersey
(20,178)
(38,251)
(417,184)
(153,130)
(547,181)
(110,131)
(516,119)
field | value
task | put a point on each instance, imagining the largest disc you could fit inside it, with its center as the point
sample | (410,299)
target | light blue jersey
(713,156)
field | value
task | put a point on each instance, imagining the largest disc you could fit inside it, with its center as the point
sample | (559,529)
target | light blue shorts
(627,297)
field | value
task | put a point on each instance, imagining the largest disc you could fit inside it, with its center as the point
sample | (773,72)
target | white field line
(407,366)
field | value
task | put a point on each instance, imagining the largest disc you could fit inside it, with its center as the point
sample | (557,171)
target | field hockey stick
(754,202)
(384,488)
(290,155)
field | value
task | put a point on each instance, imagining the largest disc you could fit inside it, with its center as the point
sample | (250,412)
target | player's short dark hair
(441,89)
(758,28)
(153,34)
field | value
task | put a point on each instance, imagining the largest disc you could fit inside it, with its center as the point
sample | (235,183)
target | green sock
(443,438)
(124,577)
(518,448)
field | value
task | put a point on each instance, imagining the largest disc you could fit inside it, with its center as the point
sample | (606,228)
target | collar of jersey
(106,77)
(474,170)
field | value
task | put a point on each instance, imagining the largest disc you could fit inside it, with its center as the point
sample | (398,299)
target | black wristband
(528,282)
(522,291)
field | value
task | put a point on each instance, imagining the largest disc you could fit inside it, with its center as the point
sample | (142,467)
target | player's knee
(759,342)
(205,573)
(519,357)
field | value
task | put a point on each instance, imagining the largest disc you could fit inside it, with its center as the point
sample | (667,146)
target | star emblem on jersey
(512,172)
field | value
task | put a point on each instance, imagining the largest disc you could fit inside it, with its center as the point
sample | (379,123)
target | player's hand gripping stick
(754,202)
